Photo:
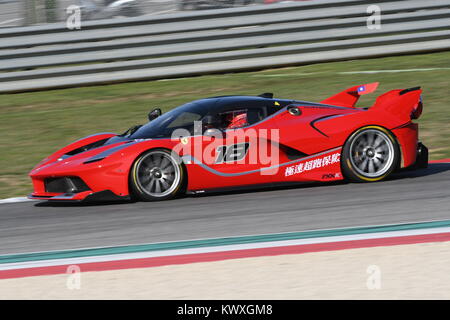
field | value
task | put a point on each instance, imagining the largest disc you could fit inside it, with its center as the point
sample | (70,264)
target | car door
(244,148)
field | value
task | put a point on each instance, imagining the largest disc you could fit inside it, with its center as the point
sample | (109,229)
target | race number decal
(232,153)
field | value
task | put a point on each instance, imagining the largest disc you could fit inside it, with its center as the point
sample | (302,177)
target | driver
(234,120)
(238,121)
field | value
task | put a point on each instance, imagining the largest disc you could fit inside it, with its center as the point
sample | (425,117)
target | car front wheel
(157,174)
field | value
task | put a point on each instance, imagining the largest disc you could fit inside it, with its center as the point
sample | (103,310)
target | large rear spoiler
(404,103)
(350,96)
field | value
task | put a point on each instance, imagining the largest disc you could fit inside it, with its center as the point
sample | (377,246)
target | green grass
(33,125)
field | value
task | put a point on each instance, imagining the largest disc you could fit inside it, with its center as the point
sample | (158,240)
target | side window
(234,118)
(241,117)
(184,119)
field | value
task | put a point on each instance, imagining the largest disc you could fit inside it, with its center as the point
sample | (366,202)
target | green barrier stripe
(216,242)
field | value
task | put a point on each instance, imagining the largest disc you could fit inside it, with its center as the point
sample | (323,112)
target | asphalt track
(417,196)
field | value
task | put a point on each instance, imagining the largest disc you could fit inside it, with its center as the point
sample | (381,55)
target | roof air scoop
(268,95)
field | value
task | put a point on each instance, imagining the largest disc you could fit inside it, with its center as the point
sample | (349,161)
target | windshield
(180,117)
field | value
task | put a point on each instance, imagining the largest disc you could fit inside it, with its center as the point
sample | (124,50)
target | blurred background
(32,12)
(130,56)
(59,84)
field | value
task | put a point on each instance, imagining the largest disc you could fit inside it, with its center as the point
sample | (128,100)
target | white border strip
(167,253)
(15,200)
(392,71)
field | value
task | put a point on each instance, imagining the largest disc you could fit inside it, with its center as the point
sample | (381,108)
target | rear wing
(350,96)
(404,103)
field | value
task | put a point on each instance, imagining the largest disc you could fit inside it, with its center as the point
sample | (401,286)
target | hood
(86,150)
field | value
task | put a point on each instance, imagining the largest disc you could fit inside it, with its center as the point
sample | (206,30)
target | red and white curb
(217,253)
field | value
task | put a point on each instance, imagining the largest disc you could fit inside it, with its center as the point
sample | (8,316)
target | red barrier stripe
(225,255)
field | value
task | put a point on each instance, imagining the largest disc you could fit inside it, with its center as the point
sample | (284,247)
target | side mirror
(155,113)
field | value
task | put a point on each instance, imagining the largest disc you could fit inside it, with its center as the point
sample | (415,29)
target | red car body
(309,148)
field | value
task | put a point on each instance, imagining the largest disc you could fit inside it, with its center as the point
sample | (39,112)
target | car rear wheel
(370,154)
(157,174)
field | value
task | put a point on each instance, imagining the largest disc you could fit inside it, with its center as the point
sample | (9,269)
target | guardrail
(214,41)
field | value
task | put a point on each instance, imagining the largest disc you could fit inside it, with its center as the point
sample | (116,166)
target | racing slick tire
(157,174)
(370,154)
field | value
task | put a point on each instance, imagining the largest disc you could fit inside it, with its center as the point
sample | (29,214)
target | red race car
(236,141)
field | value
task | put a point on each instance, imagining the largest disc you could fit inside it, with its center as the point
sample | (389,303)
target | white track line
(286,74)
(15,200)
(392,71)
(348,72)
